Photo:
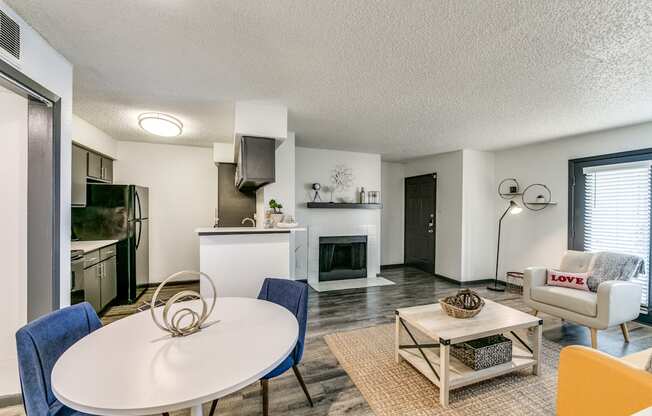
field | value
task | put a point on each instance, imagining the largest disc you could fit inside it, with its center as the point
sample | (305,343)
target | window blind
(617,212)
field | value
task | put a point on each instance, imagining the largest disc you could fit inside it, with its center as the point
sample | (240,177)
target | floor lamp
(513,209)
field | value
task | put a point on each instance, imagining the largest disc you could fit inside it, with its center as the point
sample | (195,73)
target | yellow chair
(593,383)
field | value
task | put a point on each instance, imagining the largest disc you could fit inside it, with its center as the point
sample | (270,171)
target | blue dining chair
(40,343)
(293,296)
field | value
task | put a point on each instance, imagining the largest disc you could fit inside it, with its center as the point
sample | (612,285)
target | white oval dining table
(132,367)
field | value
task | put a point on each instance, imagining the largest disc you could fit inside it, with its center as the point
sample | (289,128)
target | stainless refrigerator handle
(140,208)
(139,219)
(140,232)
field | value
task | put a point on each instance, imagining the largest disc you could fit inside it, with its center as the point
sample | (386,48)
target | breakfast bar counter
(238,259)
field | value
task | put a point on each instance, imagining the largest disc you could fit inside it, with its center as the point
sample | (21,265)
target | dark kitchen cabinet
(100,277)
(92,287)
(256,164)
(94,166)
(88,165)
(78,191)
(107,169)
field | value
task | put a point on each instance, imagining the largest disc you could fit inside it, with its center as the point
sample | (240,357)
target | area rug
(392,389)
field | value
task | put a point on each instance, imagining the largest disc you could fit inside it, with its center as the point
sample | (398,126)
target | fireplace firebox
(342,257)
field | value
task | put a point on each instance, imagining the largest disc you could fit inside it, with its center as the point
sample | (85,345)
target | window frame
(576,206)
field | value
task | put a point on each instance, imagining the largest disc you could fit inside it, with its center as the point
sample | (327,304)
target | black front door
(420,203)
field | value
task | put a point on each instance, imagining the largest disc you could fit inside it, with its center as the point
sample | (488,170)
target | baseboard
(302,280)
(465,284)
(448,279)
(478,282)
(391,266)
(10,400)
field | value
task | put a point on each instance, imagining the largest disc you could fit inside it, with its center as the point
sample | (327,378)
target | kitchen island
(238,259)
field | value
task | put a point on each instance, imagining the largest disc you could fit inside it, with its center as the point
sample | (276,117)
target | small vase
(276,218)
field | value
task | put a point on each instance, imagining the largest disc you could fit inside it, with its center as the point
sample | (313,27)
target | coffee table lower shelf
(460,374)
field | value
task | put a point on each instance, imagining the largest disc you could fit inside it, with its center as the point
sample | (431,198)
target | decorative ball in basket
(184,320)
(465,304)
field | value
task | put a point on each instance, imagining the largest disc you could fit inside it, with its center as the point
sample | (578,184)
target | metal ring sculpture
(509,181)
(174,323)
(537,205)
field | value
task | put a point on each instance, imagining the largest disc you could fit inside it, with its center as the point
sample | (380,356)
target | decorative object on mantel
(508,188)
(342,177)
(513,209)
(537,197)
(465,304)
(373,197)
(316,187)
(363,196)
(175,324)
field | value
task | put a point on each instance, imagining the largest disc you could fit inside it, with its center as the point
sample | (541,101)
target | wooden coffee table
(424,335)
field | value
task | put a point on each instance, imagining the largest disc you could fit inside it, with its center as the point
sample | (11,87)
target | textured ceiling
(401,78)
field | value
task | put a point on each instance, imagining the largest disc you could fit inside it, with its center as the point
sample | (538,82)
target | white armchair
(615,303)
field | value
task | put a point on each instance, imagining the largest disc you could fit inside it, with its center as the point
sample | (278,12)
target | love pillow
(577,281)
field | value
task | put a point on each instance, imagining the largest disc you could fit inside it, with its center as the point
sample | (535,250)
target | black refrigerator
(119,212)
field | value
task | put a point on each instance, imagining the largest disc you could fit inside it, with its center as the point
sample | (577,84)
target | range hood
(259,127)
(256,163)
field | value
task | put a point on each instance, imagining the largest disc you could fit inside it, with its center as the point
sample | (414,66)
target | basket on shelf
(465,304)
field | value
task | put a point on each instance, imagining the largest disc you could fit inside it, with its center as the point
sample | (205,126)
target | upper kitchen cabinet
(99,167)
(256,163)
(79,156)
(88,166)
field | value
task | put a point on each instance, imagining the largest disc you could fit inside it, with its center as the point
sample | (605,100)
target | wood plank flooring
(331,389)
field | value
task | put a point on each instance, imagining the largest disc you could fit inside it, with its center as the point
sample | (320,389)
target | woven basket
(465,304)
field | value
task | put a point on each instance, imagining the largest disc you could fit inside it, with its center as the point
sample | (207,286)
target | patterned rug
(399,390)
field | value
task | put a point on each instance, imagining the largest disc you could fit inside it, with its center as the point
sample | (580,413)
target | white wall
(46,66)
(392,196)
(43,64)
(182,182)
(448,217)
(540,238)
(316,165)
(88,135)
(13,239)
(479,225)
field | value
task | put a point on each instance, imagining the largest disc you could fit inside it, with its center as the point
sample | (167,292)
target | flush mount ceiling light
(160,124)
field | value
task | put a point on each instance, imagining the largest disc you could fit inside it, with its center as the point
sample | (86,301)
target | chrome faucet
(253,221)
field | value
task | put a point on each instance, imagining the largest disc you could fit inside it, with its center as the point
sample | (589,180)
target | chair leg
(594,338)
(166,414)
(303,384)
(213,406)
(623,327)
(535,312)
(265,385)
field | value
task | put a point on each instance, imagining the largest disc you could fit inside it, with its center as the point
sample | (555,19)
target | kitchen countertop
(244,230)
(88,246)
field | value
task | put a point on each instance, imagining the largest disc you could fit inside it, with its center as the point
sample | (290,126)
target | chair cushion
(576,261)
(584,303)
(281,368)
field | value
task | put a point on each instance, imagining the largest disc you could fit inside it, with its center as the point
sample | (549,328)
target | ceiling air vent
(9,39)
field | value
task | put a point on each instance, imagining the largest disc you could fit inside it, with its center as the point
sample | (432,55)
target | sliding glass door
(611,198)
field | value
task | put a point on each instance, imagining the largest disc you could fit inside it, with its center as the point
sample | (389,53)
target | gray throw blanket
(613,266)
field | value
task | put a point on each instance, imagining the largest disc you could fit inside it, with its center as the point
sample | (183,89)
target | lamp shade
(514,208)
